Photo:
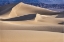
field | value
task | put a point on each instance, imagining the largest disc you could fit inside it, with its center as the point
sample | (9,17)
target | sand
(24,9)
(30,36)
(27,23)
(47,19)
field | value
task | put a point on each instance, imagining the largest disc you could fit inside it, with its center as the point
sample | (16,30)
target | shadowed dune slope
(24,9)
(37,18)
(6,8)
(21,18)
(22,12)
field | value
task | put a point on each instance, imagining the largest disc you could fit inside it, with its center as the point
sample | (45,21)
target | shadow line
(59,29)
(21,18)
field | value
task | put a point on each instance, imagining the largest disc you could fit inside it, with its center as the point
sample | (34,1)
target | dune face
(21,12)
(47,19)
(24,9)
(6,8)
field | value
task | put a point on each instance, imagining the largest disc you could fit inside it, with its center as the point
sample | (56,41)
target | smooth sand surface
(17,25)
(0,34)
(31,26)
(30,36)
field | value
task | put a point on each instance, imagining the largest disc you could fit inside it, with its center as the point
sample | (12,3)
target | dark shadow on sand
(60,16)
(59,29)
(21,18)
(6,8)
(25,17)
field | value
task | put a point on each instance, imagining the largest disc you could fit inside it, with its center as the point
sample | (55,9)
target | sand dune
(47,19)
(24,9)
(44,19)
(37,26)
(21,12)
(28,23)
(6,8)
(33,33)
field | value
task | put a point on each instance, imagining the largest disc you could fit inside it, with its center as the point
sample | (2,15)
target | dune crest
(38,17)
(25,9)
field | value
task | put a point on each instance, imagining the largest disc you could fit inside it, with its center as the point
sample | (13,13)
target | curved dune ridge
(21,12)
(24,9)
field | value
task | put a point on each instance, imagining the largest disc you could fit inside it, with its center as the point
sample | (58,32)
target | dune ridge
(21,12)
(24,9)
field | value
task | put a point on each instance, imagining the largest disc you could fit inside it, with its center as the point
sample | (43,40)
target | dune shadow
(28,17)
(46,28)
(59,29)
(60,16)
(6,8)
(21,18)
